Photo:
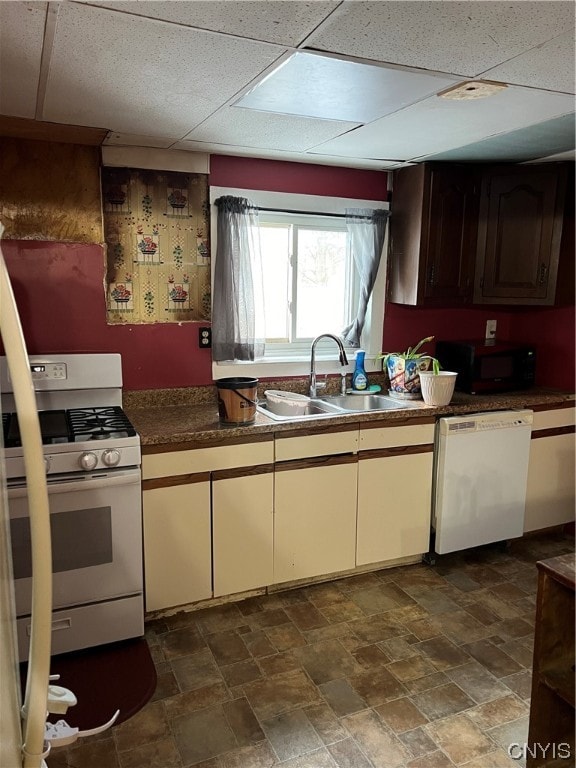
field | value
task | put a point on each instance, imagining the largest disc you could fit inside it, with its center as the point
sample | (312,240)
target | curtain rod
(311,213)
(301,213)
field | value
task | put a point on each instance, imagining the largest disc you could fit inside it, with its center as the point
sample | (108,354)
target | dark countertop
(177,423)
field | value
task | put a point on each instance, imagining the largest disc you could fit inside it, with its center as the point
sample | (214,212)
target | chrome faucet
(314,385)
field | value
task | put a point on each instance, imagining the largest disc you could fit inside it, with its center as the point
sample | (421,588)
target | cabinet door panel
(519,236)
(394,502)
(433,234)
(177,549)
(314,521)
(550,490)
(243,526)
(451,236)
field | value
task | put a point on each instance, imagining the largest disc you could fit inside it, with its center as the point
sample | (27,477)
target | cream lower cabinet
(243,529)
(315,486)
(314,517)
(177,544)
(394,490)
(207,510)
(550,496)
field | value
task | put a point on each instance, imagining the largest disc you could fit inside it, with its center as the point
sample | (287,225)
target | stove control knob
(47,462)
(111,457)
(88,460)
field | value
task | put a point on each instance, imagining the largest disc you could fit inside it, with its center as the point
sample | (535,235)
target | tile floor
(410,667)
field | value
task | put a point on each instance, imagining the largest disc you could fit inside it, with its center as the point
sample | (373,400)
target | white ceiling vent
(475,89)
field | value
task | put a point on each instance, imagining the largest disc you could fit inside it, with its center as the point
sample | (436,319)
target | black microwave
(487,367)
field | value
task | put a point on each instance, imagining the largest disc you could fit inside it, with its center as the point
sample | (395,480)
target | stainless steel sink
(362,403)
(332,405)
(314,409)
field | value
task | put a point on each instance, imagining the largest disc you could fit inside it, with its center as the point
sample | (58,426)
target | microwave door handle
(34,709)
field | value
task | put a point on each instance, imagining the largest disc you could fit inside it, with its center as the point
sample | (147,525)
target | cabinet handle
(543,275)
(431,275)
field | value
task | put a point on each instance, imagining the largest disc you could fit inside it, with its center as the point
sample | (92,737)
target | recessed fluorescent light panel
(475,89)
(313,85)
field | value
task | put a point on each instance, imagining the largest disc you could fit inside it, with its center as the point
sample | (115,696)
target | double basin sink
(338,405)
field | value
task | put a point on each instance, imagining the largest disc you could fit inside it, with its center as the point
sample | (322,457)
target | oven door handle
(90,484)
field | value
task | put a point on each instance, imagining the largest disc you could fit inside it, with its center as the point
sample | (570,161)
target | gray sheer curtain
(367,229)
(238,295)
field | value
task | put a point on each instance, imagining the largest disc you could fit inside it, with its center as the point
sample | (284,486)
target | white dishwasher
(481,471)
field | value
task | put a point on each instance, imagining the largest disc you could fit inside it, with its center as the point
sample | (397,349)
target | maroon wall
(59,290)
(303,178)
(551,330)
(405,326)
(59,287)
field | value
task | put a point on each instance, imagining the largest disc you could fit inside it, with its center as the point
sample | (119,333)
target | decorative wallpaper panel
(156,227)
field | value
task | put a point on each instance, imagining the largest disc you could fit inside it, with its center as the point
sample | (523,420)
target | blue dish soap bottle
(359,378)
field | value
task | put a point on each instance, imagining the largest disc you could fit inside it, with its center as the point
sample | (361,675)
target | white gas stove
(92,460)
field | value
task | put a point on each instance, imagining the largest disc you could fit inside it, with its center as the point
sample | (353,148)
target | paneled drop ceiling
(337,82)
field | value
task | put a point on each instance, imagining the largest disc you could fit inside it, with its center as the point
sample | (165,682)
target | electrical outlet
(205,338)
(490,329)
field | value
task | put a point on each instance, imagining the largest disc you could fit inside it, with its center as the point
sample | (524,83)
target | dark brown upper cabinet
(520,234)
(433,235)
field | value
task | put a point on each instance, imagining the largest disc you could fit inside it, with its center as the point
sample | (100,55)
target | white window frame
(327,359)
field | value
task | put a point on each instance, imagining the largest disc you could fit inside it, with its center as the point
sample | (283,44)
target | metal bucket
(237,399)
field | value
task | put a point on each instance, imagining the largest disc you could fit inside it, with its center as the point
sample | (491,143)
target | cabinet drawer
(329,442)
(559,417)
(186,462)
(374,437)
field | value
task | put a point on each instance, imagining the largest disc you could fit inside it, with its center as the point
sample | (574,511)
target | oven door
(96,524)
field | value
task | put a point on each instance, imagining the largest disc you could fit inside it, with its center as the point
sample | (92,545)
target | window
(310,283)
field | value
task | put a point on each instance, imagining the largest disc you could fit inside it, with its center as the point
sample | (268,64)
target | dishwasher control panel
(485,422)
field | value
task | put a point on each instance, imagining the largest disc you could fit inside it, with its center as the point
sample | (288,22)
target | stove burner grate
(99,424)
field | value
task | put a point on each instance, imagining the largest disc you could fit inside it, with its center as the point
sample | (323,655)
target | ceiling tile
(550,66)
(21,38)
(459,37)
(287,22)
(332,88)
(249,128)
(547,138)
(437,125)
(134,75)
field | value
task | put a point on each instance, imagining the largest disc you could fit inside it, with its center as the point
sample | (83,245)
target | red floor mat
(103,679)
